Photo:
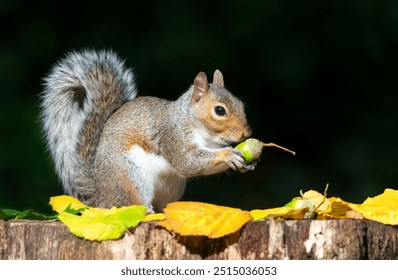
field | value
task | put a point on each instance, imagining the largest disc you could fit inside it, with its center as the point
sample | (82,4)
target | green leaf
(105,224)
(12,214)
(73,211)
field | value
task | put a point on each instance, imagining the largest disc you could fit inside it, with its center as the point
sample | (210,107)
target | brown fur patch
(131,190)
(135,139)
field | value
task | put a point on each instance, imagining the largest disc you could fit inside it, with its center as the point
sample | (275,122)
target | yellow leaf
(61,202)
(196,218)
(317,199)
(96,223)
(154,217)
(279,212)
(92,211)
(92,228)
(382,208)
(107,224)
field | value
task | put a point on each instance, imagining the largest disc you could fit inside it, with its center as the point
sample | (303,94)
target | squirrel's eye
(220,111)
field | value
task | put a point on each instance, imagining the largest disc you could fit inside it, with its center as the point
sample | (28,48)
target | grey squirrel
(111,148)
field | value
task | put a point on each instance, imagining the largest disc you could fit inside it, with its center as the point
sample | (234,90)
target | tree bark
(269,239)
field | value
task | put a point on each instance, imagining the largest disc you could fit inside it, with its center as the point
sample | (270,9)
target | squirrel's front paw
(246,166)
(236,161)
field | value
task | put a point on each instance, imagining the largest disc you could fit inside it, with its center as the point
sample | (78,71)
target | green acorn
(252,148)
(299,203)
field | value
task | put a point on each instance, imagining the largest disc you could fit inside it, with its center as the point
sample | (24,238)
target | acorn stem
(277,146)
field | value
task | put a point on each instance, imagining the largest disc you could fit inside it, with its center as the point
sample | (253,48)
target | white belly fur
(155,178)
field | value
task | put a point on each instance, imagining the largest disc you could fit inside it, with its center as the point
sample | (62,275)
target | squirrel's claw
(245,166)
(237,162)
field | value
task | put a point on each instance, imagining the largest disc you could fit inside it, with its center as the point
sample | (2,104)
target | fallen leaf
(279,212)
(109,224)
(352,214)
(154,217)
(12,214)
(96,223)
(197,218)
(338,209)
(319,200)
(62,202)
(382,208)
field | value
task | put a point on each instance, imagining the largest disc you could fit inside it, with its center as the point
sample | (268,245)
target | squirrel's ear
(200,87)
(218,78)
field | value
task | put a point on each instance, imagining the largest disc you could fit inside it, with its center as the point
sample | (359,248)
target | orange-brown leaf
(338,209)
(279,212)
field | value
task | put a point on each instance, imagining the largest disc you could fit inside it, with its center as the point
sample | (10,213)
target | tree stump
(268,239)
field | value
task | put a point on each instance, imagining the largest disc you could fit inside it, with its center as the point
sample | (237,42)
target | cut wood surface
(268,239)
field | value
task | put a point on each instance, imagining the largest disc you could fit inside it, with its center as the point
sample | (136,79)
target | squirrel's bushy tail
(80,93)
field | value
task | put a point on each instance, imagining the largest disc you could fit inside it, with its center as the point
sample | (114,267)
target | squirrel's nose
(247,132)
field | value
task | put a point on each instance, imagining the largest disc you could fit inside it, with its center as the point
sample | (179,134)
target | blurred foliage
(318,77)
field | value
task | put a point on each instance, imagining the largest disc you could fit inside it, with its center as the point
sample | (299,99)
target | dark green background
(319,77)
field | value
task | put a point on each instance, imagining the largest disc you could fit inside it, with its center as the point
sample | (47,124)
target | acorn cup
(252,148)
